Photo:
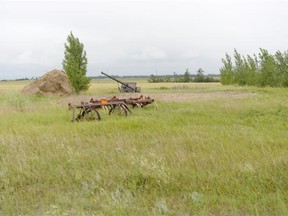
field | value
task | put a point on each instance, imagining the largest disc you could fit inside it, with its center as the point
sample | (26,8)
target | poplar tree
(282,67)
(186,77)
(239,69)
(227,75)
(75,64)
(267,65)
(200,76)
(252,70)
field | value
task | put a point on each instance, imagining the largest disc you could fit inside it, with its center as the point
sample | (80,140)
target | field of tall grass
(207,153)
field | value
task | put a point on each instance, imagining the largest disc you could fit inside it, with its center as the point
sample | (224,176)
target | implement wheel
(88,114)
(122,109)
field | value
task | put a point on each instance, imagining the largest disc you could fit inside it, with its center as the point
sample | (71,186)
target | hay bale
(54,82)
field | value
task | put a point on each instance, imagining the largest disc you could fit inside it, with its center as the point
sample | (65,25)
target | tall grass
(203,156)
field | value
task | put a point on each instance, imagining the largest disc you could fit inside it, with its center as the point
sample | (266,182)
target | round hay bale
(54,82)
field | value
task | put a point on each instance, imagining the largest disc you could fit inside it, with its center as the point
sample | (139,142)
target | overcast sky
(137,37)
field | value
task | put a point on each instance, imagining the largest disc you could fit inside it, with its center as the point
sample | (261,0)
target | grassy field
(209,150)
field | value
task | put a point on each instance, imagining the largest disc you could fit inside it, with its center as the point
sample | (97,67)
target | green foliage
(153,79)
(183,78)
(281,60)
(262,70)
(200,76)
(239,68)
(226,72)
(251,66)
(268,70)
(75,64)
(187,75)
(157,79)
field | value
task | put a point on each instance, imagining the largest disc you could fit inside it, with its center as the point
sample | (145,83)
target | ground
(76,99)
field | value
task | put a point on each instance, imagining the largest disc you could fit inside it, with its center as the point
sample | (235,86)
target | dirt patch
(54,82)
(191,96)
(77,99)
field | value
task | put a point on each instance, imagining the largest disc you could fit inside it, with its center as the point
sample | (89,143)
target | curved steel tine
(155,105)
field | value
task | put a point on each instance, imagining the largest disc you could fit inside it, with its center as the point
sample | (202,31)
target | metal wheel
(92,115)
(88,114)
(122,109)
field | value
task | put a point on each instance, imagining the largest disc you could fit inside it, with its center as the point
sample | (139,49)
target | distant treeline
(120,77)
(20,79)
(186,77)
(155,78)
(261,70)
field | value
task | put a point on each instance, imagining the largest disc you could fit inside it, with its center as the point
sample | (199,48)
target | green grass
(203,156)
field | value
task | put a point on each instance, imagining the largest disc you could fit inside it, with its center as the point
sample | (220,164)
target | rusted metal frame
(139,102)
(84,109)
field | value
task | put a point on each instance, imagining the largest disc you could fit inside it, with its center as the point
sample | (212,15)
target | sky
(137,37)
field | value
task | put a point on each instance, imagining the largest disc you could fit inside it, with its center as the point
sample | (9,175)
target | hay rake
(141,102)
(89,110)
(134,102)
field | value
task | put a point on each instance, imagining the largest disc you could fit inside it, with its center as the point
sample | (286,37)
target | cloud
(148,54)
(137,37)
(190,54)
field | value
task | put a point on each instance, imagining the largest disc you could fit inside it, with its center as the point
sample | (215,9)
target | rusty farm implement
(134,102)
(89,110)
(125,86)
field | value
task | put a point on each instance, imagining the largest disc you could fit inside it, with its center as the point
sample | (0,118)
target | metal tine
(155,105)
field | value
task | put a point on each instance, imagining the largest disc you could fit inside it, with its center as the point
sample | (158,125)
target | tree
(186,76)
(152,79)
(282,68)
(239,69)
(268,76)
(251,65)
(227,75)
(200,76)
(75,64)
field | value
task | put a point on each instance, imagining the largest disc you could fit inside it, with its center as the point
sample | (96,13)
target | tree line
(260,70)
(186,77)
